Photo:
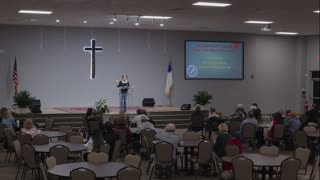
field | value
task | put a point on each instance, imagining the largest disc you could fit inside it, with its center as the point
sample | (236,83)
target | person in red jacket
(276,119)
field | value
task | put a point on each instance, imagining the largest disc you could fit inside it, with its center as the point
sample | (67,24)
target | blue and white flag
(169,81)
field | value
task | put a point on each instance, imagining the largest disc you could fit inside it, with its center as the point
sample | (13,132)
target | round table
(102,170)
(72,147)
(259,159)
(53,134)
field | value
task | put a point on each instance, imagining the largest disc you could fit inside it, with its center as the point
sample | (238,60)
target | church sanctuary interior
(167,89)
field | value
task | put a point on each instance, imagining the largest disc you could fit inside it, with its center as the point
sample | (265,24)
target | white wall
(58,73)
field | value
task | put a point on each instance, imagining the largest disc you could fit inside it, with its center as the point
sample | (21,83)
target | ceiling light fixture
(85,22)
(114,18)
(258,22)
(161,24)
(136,24)
(211,4)
(34,12)
(317,11)
(58,20)
(286,33)
(155,17)
(111,22)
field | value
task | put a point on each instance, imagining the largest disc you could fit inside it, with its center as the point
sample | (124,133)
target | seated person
(145,124)
(276,119)
(9,121)
(250,119)
(169,136)
(2,112)
(292,124)
(240,109)
(197,120)
(110,136)
(141,114)
(257,111)
(213,121)
(238,116)
(29,129)
(312,115)
(222,139)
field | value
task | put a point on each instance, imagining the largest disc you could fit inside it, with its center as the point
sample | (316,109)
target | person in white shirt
(141,114)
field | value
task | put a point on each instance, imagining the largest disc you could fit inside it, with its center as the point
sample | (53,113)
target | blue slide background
(203,64)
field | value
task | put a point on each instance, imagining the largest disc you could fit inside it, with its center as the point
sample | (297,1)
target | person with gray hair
(169,135)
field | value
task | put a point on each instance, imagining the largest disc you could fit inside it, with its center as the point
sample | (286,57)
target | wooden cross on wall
(93,49)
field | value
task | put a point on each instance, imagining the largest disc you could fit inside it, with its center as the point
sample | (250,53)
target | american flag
(15,77)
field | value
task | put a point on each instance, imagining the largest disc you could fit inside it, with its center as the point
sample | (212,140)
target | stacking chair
(10,146)
(51,162)
(131,173)
(300,139)
(315,168)
(278,133)
(303,155)
(234,126)
(232,150)
(203,159)
(29,157)
(76,139)
(243,168)
(191,136)
(44,171)
(71,133)
(146,138)
(249,133)
(164,156)
(40,139)
(65,129)
(269,150)
(290,169)
(105,148)
(133,160)
(18,153)
(24,138)
(60,152)
(82,174)
(215,164)
(98,157)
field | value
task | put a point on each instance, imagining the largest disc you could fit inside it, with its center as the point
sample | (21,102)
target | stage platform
(51,118)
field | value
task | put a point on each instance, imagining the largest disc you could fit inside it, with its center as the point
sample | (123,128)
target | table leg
(185,149)
(263,173)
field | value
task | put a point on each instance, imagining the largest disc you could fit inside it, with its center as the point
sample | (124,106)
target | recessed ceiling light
(258,22)
(155,17)
(34,12)
(286,33)
(85,22)
(136,24)
(161,24)
(58,20)
(114,19)
(317,11)
(111,22)
(34,20)
(211,4)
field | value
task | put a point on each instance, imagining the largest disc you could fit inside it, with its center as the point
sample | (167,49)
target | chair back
(76,139)
(290,168)
(303,155)
(248,131)
(40,139)
(82,174)
(269,150)
(300,139)
(29,157)
(243,168)
(123,135)
(51,162)
(98,157)
(131,173)
(65,129)
(234,126)
(197,121)
(205,149)
(279,131)
(9,138)
(309,129)
(315,168)
(164,152)
(17,150)
(2,128)
(191,136)
(105,148)
(116,150)
(215,163)
(24,138)
(147,136)
(60,152)
(43,170)
(69,134)
(133,160)
(232,150)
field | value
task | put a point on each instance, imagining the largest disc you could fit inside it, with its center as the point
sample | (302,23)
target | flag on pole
(169,81)
(15,77)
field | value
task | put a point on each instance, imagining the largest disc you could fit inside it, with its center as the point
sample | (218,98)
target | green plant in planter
(202,97)
(102,106)
(23,99)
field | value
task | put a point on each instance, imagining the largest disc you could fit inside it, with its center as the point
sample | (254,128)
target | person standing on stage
(123,85)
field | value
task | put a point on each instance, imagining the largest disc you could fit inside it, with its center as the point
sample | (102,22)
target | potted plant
(102,106)
(23,99)
(202,98)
